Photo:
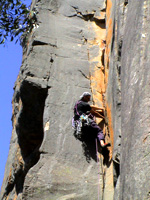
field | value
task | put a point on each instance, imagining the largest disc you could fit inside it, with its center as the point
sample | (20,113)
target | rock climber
(82,107)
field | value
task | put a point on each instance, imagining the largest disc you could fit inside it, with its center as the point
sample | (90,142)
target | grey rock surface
(46,160)
(130,56)
(135,158)
(54,73)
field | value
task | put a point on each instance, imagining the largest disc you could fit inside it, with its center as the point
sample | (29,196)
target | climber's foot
(105,145)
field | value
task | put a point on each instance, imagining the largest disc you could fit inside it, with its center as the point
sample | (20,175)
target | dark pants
(97,130)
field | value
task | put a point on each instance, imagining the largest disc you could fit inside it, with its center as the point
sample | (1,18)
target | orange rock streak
(109,35)
(99,71)
(97,66)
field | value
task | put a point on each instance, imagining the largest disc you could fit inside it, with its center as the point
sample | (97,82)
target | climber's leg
(100,134)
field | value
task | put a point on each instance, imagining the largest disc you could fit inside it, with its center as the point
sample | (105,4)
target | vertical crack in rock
(116,167)
(30,120)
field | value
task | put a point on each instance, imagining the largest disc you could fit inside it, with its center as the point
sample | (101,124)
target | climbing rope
(102,172)
(98,165)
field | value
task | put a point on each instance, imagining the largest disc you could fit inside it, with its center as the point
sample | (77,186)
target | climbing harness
(83,121)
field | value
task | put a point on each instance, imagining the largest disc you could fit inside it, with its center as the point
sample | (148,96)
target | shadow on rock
(106,157)
(88,140)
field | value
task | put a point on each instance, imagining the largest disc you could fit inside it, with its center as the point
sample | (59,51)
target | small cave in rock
(30,120)
(100,22)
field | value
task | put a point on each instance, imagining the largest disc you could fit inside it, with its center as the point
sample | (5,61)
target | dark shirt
(83,107)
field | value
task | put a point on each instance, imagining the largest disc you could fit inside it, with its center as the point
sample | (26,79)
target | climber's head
(86,96)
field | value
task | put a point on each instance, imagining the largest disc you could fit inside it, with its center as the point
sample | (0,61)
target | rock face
(130,56)
(76,46)
(135,182)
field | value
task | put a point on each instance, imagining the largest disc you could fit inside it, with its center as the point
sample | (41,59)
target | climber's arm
(98,113)
(97,109)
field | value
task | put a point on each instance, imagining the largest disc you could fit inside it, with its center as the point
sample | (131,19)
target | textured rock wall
(128,68)
(64,57)
(135,182)
(96,46)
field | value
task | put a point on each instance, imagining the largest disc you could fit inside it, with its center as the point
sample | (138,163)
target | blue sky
(10,62)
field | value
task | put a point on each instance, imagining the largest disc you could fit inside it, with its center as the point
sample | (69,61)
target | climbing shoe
(105,145)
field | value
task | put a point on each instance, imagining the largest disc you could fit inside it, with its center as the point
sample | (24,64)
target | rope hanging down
(98,165)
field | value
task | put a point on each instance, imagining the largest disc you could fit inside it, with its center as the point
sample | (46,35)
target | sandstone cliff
(76,46)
